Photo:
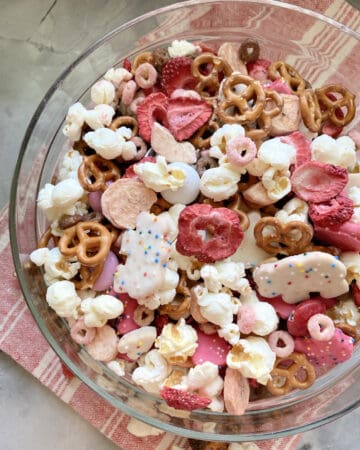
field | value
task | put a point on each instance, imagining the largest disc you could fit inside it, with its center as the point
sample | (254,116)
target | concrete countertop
(38,39)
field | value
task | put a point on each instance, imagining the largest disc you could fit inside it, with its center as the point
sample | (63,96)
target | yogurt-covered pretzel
(245,106)
(95,172)
(310,110)
(275,237)
(280,69)
(208,84)
(344,99)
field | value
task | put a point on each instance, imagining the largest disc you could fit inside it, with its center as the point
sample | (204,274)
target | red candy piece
(186,115)
(302,146)
(212,348)
(183,400)
(326,353)
(334,212)
(130,173)
(297,321)
(160,322)
(279,85)
(356,293)
(126,322)
(258,69)
(208,233)
(318,182)
(176,74)
(345,236)
(127,64)
(152,109)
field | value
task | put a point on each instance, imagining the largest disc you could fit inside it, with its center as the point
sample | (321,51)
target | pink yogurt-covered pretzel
(136,102)
(146,75)
(274,340)
(141,147)
(240,151)
(128,92)
(321,327)
(246,319)
(82,334)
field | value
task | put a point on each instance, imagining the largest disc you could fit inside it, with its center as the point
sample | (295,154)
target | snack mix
(204,227)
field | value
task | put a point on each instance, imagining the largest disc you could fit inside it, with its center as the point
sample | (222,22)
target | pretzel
(160,206)
(125,121)
(209,83)
(180,307)
(236,204)
(310,110)
(330,103)
(87,276)
(94,173)
(46,237)
(89,241)
(322,248)
(245,106)
(246,181)
(260,129)
(289,374)
(82,147)
(201,138)
(287,239)
(67,221)
(204,163)
(142,58)
(280,69)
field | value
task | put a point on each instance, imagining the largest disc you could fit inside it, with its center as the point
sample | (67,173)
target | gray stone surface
(38,38)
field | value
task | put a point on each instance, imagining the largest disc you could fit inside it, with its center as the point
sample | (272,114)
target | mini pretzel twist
(273,99)
(236,204)
(289,375)
(288,239)
(125,121)
(209,82)
(89,241)
(201,138)
(280,69)
(86,277)
(46,237)
(160,206)
(94,173)
(330,103)
(310,110)
(180,307)
(242,107)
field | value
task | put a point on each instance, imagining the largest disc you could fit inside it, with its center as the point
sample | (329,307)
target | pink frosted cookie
(212,348)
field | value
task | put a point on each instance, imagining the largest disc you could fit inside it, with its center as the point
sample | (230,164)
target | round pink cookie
(127,323)
(212,348)
(106,277)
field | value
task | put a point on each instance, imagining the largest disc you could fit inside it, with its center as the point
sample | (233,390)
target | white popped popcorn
(353,193)
(277,154)
(69,165)
(253,357)
(152,372)
(103,92)
(97,311)
(294,209)
(137,342)
(63,299)
(276,182)
(117,76)
(117,366)
(219,183)
(56,267)
(182,48)
(187,263)
(346,311)
(205,379)
(111,144)
(159,176)
(351,261)
(225,273)
(177,341)
(230,333)
(340,152)
(221,137)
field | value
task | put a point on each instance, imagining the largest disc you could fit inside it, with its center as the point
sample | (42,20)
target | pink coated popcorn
(246,319)
(146,75)
(280,336)
(321,327)
(241,151)
(128,92)
(82,334)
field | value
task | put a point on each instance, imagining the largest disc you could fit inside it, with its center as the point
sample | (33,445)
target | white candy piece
(182,48)
(189,191)
(152,373)
(137,342)
(110,144)
(340,152)
(253,357)
(63,299)
(97,311)
(277,154)
(219,183)
(102,92)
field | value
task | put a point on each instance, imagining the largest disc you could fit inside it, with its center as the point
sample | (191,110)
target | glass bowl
(320,55)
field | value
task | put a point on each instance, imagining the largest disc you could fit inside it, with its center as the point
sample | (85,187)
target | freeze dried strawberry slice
(297,321)
(186,115)
(318,182)
(345,236)
(326,353)
(302,146)
(176,74)
(127,64)
(208,233)
(258,69)
(152,109)
(334,212)
(183,400)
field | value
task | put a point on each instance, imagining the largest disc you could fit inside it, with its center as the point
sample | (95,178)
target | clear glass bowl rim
(15,250)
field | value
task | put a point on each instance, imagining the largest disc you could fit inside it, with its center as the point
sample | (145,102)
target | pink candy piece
(326,353)
(279,85)
(146,75)
(241,151)
(128,92)
(126,322)
(141,147)
(246,319)
(345,236)
(95,200)
(82,334)
(283,309)
(105,279)
(321,327)
(274,340)
(211,347)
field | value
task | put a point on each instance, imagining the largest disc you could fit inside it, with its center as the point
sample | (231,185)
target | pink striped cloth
(17,326)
